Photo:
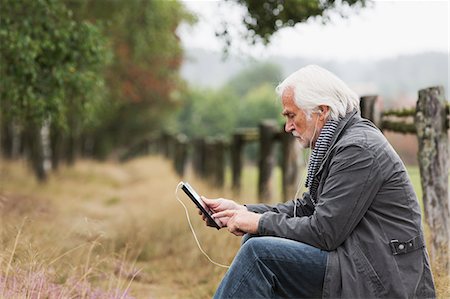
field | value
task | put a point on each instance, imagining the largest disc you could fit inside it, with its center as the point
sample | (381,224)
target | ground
(111,230)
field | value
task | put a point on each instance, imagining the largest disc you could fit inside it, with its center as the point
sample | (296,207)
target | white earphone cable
(192,228)
(300,184)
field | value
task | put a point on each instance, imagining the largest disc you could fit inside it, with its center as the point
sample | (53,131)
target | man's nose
(288,127)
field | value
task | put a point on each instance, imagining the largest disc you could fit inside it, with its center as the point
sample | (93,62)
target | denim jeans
(271,267)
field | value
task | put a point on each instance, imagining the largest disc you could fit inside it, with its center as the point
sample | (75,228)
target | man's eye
(289,115)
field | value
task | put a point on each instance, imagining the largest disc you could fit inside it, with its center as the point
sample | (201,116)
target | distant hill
(394,78)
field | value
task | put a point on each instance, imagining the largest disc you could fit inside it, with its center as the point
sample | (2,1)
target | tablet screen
(200,204)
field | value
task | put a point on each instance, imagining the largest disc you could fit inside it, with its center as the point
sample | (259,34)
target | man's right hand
(219,205)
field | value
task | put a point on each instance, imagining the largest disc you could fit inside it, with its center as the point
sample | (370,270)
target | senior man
(356,233)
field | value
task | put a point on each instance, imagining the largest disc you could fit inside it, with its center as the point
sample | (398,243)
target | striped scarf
(317,155)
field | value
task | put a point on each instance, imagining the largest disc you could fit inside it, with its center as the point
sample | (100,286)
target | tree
(143,79)
(258,104)
(254,76)
(208,113)
(50,67)
(265,17)
(243,101)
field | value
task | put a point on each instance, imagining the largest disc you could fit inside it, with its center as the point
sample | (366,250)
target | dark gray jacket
(367,217)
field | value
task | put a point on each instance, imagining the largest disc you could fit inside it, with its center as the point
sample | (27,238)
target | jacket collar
(349,119)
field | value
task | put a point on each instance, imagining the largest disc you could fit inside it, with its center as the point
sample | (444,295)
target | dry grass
(110,227)
(106,230)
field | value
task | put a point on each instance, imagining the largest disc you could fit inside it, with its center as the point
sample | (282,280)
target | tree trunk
(46,146)
(34,150)
(70,148)
(56,139)
(6,140)
(17,141)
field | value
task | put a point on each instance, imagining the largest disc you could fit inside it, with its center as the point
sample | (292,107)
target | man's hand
(240,222)
(219,205)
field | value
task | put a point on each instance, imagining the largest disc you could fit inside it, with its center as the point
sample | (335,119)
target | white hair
(314,86)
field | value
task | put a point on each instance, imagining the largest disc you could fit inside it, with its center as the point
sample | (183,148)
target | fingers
(223,221)
(207,200)
(234,229)
(210,203)
(203,217)
(238,233)
(226,213)
(210,223)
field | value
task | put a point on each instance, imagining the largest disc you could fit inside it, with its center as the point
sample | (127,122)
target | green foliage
(254,90)
(143,79)
(265,17)
(258,104)
(208,113)
(49,63)
(244,101)
(254,76)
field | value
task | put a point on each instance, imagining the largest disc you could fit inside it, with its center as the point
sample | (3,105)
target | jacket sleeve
(285,208)
(305,207)
(352,182)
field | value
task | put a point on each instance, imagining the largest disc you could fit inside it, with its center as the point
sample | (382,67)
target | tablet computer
(200,204)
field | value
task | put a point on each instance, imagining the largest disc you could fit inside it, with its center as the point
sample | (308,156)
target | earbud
(320,111)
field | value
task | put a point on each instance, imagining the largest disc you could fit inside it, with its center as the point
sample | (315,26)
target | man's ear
(324,112)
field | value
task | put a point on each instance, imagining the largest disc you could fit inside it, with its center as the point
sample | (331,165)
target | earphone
(192,229)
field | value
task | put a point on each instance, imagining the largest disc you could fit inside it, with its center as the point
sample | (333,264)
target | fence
(429,120)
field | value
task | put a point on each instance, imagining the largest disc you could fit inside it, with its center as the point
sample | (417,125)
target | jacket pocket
(364,266)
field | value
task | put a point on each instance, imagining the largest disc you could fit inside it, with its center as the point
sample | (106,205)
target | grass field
(106,230)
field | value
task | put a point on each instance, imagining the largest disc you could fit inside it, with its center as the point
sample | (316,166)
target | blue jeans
(271,267)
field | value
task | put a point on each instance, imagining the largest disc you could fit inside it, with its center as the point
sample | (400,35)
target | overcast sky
(386,29)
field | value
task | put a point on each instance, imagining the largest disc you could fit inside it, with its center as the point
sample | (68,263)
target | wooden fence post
(219,165)
(198,157)
(268,130)
(214,167)
(431,125)
(237,147)
(153,144)
(180,154)
(209,161)
(241,137)
(289,166)
(165,144)
(169,145)
(368,109)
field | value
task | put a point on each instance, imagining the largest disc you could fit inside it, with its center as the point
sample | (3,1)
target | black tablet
(200,204)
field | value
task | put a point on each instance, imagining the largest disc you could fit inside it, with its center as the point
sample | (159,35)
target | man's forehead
(288,92)
(288,100)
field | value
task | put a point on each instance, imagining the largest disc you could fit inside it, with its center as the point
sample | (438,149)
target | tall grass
(106,230)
